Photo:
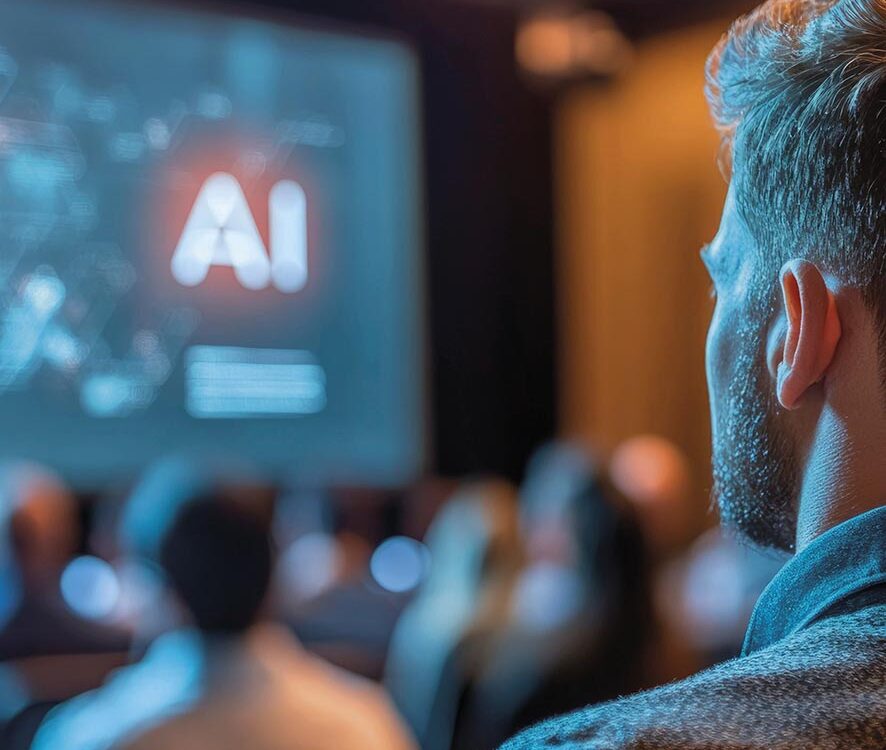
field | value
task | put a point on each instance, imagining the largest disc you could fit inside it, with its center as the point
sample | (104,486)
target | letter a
(221,231)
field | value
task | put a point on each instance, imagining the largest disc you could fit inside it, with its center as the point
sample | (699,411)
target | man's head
(39,518)
(216,553)
(798,90)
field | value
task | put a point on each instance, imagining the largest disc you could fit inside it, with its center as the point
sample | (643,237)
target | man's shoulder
(164,682)
(822,687)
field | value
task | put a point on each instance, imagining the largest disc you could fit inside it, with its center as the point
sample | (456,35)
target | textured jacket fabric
(812,675)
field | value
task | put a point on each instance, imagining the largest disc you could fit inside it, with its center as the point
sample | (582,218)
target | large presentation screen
(210,243)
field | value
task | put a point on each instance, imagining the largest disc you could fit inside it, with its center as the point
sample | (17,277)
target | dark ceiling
(639,18)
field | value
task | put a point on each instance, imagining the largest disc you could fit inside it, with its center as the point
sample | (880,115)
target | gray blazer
(812,675)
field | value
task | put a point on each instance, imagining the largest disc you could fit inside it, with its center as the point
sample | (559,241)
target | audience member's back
(440,641)
(268,694)
(230,681)
(38,530)
(581,613)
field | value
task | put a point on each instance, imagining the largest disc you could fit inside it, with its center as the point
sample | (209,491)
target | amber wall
(639,192)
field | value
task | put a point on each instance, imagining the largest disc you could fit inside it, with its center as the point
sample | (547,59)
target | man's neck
(845,474)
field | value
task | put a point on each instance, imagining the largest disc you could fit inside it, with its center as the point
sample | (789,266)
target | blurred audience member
(704,597)
(334,560)
(130,534)
(229,679)
(475,558)
(40,533)
(50,653)
(653,474)
(710,594)
(579,626)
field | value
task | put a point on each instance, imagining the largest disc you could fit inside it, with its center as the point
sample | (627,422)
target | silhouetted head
(559,493)
(216,553)
(474,540)
(580,533)
(653,475)
(165,487)
(40,518)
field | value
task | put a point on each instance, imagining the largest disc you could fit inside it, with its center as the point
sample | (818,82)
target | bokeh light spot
(400,564)
(90,587)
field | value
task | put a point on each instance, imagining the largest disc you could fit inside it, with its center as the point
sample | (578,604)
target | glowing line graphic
(288,210)
(233,382)
(221,231)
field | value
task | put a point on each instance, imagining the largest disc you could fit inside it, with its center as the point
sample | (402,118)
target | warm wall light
(544,46)
(567,44)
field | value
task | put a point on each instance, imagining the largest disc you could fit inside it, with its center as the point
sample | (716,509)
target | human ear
(813,330)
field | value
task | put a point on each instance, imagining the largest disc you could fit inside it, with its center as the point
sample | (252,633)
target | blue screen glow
(210,230)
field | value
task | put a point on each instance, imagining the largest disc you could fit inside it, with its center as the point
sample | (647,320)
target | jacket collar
(841,562)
